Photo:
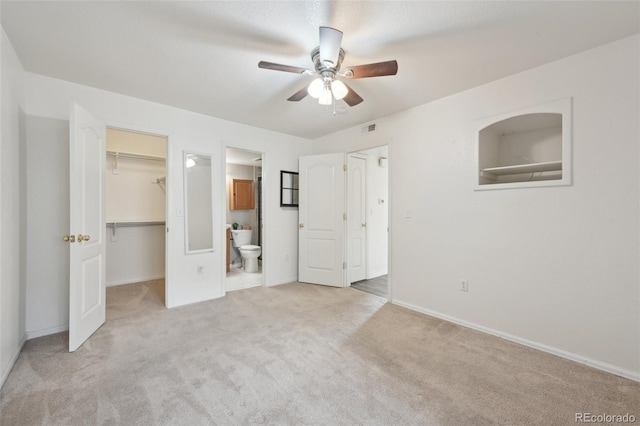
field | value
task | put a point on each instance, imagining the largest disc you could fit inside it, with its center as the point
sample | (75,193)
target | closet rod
(136,156)
(115,225)
(123,224)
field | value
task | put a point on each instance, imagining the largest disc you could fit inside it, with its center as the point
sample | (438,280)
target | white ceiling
(203,56)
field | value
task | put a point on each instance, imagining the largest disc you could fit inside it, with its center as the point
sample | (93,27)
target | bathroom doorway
(136,194)
(244,217)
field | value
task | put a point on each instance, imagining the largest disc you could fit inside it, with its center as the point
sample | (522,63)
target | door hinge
(344,216)
(344,265)
(344,167)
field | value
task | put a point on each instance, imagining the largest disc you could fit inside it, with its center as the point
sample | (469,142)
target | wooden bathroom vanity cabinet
(241,196)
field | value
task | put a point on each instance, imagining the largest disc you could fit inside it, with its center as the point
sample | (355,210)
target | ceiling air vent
(368,129)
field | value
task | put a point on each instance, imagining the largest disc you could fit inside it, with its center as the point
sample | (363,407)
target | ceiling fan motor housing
(322,68)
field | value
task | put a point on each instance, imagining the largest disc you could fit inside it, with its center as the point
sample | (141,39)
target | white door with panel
(356,217)
(87,291)
(321,225)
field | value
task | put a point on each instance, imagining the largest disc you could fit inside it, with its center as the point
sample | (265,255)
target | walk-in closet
(135,210)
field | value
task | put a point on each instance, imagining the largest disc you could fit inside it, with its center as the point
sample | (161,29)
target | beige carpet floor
(296,354)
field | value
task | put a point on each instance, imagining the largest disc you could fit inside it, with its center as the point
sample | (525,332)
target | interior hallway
(377,286)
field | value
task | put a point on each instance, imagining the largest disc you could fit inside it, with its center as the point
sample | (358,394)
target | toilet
(248,252)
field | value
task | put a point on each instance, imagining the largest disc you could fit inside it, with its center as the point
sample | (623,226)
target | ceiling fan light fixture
(326,97)
(315,88)
(327,59)
(339,89)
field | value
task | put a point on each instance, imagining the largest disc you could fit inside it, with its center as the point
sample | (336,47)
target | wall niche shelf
(525,148)
(494,172)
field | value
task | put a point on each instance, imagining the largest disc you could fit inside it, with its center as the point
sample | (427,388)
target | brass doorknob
(364,225)
(301,225)
(69,238)
(82,238)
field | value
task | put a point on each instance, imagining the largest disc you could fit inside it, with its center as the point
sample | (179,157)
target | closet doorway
(136,200)
(244,218)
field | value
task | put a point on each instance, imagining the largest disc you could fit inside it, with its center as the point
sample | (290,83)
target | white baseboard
(135,280)
(47,331)
(535,345)
(12,361)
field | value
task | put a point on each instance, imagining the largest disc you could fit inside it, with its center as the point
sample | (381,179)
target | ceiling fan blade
(299,95)
(372,70)
(330,41)
(352,98)
(280,67)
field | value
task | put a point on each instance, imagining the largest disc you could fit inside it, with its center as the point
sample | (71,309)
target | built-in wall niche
(525,148)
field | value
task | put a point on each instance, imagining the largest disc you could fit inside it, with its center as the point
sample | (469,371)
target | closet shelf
(119,154)
(549,166)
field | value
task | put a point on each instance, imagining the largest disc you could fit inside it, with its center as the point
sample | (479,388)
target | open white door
(87,308)
(321,220)
(356,217)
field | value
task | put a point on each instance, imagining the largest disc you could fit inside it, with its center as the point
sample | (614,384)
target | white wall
(13,189)
(47,221)
(119,140)
(136,255)
(553,267)
(51,98)
(132,194)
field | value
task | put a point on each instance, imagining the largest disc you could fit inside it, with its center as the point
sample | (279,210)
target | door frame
(225,202)
(168,237)
(388,143)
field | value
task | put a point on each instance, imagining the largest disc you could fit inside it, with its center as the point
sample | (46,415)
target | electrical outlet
(464,285)
(200,269)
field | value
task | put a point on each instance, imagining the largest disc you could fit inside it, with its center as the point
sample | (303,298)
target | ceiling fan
(327,59)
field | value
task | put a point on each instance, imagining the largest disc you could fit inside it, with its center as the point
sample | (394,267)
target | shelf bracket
(115,164)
